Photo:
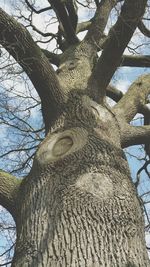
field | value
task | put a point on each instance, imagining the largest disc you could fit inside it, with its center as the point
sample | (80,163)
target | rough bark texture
(19,43)
(118,38)
(78,206)
(9,186)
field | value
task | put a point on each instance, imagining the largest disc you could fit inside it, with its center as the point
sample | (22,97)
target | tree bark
(135,135)
(134,100)
(78,206)
(9,186)
(118,38)
(18,42)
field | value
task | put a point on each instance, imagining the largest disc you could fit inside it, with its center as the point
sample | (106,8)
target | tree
(78,205)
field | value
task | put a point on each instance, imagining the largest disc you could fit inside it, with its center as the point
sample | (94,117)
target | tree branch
(136,61)
(135,135)
(5,264)
(138,175)
(114,93)
(143,29)
(83,26)
(72,11)
(146,112)
(52,57)
(44,34)
(18,42)
(37,11)
(64,19)
(96,2)
(118,38)
(99,21)
(135,98)
(8,191)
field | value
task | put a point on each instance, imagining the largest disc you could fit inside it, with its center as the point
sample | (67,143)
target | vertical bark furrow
(80,200)
(81,228)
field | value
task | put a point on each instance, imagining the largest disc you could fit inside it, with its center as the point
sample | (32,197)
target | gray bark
(78,206)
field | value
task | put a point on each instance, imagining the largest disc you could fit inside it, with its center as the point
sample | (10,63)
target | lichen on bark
(78,206)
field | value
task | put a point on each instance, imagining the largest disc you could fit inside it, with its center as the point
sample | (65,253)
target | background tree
(77,205)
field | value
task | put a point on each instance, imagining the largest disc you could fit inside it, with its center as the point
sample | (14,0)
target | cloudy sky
(122,79)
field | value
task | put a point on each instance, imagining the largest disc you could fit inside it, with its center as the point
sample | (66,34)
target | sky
(122,79)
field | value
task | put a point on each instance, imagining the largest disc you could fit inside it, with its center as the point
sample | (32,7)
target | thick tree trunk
(78,206)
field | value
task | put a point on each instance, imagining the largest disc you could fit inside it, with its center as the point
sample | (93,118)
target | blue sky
(122,79)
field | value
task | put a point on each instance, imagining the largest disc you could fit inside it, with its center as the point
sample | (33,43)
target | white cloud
(122,85)
(85,13)
(6,5)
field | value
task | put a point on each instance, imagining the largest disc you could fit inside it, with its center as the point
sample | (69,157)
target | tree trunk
(78,206)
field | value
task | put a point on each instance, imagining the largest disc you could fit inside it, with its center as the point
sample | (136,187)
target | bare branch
(96,29)
(83,26)
(30,21)
(143,29)
(52,57)
(44,34)
(118,38)
(146,113)
(135,61)
(18,150)
(96,2)
(37,11)
(72,11)
(114,93)
(135,98)
(144,167)
(6,263)
(19,43)
(8,191)
(12,246)
(64,19)
(135,135)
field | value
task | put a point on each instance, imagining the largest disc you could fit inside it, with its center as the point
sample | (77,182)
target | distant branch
(144,167)
(18,150)
(37,11)
(44,34)
(5,264)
